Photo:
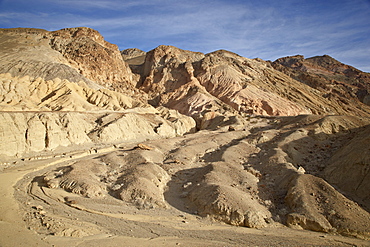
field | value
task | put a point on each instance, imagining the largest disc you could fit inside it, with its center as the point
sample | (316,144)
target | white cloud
(252,29)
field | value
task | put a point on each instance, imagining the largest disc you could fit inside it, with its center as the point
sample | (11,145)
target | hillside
(101,146)
(341,82)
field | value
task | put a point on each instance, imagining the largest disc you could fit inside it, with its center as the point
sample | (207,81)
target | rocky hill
(222,82)
(75,54)
(126,141)
(341,82)
(70,70)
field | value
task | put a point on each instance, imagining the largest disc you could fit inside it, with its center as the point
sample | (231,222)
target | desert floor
(31,214)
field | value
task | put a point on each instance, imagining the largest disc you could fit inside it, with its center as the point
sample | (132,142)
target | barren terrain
(172,147)
(181,190)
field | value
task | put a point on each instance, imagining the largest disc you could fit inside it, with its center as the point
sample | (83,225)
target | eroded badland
(101,147)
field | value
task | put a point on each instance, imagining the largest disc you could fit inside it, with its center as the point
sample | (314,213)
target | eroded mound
(82,178)
(318,206)
(228,193)
(349,168)
(144,185)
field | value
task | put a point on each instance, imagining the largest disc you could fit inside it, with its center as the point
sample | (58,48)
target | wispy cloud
(101,4)
(267,29)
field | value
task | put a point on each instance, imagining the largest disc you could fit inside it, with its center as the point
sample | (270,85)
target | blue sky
(267,29)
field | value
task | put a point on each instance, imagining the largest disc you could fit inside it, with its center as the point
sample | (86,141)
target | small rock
(269,220)
(70,201)
(187,185)
(267,202)
(232,128)
(143,146)
(332,212)
(301,170)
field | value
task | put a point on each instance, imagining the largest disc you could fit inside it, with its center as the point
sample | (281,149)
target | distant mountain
(341,82)
(132,53)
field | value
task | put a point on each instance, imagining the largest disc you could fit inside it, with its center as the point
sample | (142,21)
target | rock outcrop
(38,115)
(87,51)
(27,133)
(29,94)
(26,52)
(75,54)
